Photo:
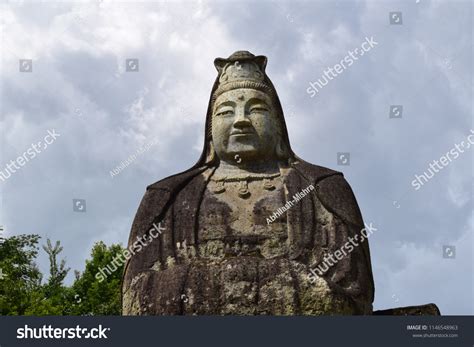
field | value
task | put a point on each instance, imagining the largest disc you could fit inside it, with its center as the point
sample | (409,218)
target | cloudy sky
(75,81)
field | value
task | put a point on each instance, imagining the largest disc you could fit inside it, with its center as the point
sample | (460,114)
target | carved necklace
(243,179)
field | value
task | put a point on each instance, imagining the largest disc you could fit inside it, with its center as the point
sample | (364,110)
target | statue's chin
(245,152)
(240,155)
(242,150)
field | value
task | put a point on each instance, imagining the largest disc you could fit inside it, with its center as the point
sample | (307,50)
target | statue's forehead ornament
(241,71)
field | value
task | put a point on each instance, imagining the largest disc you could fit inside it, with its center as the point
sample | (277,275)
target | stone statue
(243,227)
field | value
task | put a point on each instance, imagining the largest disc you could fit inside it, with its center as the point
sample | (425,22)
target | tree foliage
(96,297)
(23,292)
(19,274)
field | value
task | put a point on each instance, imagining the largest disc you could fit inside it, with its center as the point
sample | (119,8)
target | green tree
(53,297)
(93,296)
(57,274)
(23,293)
(20,276)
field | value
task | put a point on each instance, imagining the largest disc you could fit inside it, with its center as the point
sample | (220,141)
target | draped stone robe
(201,265)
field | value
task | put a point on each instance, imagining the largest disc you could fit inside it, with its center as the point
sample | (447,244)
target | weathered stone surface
(422,310)
(244,226)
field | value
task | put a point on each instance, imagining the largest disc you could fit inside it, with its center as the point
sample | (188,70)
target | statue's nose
(241,119)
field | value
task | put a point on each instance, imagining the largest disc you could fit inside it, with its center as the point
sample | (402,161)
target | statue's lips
(240,134)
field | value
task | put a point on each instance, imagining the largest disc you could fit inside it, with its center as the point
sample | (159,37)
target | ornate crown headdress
(241,70)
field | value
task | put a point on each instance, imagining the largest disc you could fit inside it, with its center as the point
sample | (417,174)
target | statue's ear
(282,150)
(219,63)
(211,153)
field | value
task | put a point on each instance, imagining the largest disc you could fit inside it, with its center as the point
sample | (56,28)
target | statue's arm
(355,271)
(146,250)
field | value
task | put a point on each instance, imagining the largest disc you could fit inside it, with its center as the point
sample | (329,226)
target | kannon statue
(224,248)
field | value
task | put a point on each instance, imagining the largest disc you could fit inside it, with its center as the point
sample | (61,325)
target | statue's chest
(231,222)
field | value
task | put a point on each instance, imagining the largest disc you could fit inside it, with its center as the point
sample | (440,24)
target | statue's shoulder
(176,181)
(159,193)
(333,191)
(314,173)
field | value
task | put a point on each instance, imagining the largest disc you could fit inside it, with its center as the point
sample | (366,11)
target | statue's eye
(258,109)
(225,112)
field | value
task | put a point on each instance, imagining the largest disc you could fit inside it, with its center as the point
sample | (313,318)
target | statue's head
(245,119)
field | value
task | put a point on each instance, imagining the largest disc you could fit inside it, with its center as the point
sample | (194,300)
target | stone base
(422,310)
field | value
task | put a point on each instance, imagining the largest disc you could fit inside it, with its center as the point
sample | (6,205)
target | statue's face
(244,123)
